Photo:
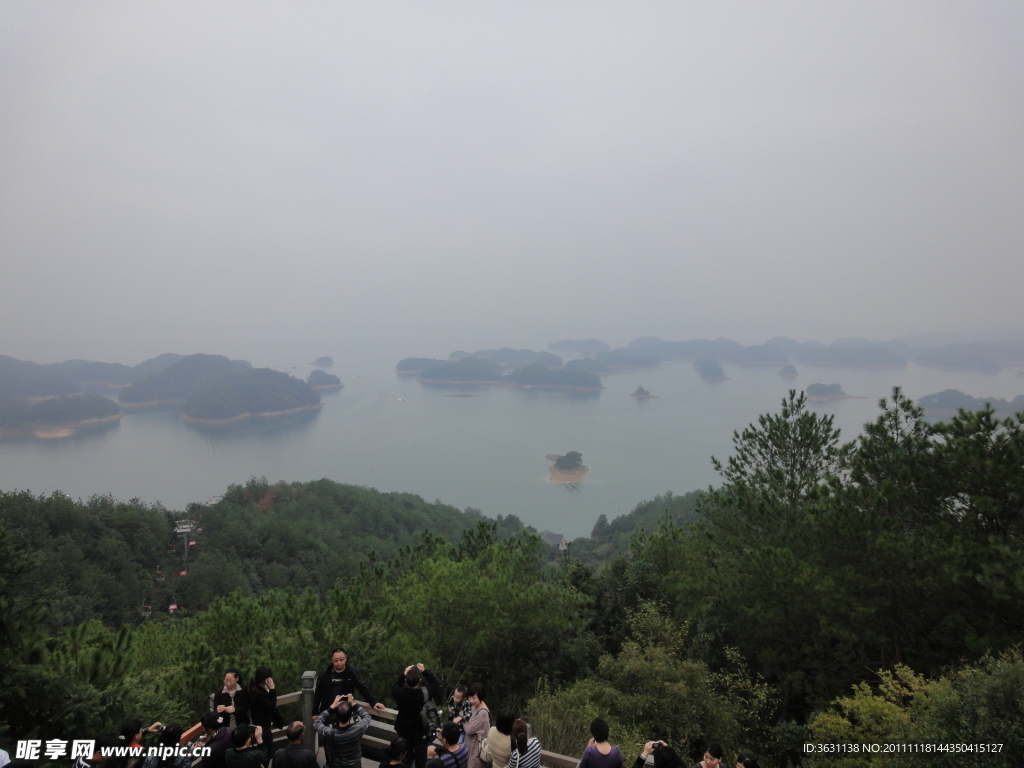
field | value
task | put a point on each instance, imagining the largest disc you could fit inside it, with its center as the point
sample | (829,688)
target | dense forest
(539,375)
(852,592)
(260,390)
(180,380)
(322,380)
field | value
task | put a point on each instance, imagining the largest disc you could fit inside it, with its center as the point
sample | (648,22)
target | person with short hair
(248,751)
(217,738)
(499,739)
(295,755)
(599,752)
(452,754)
(414,687)
(746,760)
(341,727)
(459,708)
(664,756)
(170,737)
(527,748)
(232,700)
(479,724)
(340,679)
(712,756)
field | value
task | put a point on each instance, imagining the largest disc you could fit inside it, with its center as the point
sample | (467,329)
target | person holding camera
(170,737)
(451,753)
(664,756)
(249,750)
(415,687)
(341,728)
(217,737)
(599,752)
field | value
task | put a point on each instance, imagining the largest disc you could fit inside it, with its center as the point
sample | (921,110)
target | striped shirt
(530,760)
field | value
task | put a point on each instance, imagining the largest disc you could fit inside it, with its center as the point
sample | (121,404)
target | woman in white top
(527,750)
(499,739)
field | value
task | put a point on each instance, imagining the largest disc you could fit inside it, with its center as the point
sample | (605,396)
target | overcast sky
(203,176)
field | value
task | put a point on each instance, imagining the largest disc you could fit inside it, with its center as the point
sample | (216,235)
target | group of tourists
(237,730)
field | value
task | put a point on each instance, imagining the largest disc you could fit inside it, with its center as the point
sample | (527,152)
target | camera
(160,728)
(252,729)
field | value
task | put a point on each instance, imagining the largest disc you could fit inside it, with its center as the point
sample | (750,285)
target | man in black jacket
(339,679)
(409,692)
(295,755)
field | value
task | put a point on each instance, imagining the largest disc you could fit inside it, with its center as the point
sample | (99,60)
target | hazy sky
(212,176)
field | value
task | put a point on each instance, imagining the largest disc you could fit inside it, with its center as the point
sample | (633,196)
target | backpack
(430,718)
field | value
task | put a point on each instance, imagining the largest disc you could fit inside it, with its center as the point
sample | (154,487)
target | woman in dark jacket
(232,701)
(262,701)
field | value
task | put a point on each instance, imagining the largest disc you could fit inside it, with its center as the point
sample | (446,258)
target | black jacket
(294,756)
(331,684)
(410,703)
(261,712)
(241,706)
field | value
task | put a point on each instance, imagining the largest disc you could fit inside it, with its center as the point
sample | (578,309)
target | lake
(485,451)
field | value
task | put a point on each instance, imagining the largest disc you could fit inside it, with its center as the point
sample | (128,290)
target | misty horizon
(503,175)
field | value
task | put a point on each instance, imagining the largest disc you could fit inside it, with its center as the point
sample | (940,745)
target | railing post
(308,684)
(212,707)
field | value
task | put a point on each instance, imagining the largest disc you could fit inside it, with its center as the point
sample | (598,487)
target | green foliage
(981,703)
(180,380)
(651,690)
(570,461)
(260,390)
(320,378)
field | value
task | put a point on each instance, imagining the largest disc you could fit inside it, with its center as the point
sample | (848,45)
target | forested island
(540,376)
(826,392)
(475,371)
(950,401)
(246,394)
(709,369)
(788,371)
(179,381)
(323,380)
(507,357)
(411,366)
(685,619)
(54,416)
(323,362)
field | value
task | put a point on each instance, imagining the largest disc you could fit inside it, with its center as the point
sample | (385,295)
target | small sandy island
(561,476)
(642,394)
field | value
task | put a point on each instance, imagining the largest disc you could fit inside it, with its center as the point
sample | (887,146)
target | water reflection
(256,426)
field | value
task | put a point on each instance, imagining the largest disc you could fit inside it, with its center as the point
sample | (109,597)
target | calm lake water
(485,451)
